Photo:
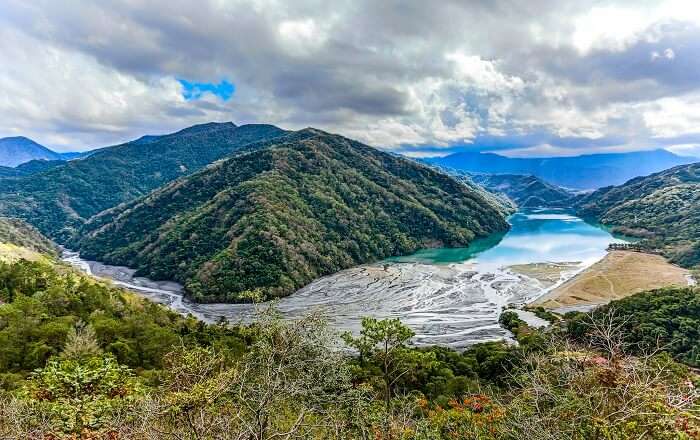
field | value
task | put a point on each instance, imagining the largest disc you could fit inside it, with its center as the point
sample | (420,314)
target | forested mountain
(60,199)
(663,208)
(19,233)
(578,172)
(28,168)
(299,207)
(526,191)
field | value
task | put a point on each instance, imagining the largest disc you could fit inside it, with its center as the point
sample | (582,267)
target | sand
(548,274)
(619,274)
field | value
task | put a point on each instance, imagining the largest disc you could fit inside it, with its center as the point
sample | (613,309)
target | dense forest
(29,168)
(59,199)
(663,209)
(268,222)
(81,359)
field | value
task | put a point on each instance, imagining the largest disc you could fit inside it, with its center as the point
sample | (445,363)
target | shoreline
(617,275)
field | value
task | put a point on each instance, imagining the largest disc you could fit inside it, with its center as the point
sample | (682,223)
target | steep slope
(526,191)
(270,221)
(28,168)
(579,172)
(19,149)
(16,232)
(59,200)
(663,208)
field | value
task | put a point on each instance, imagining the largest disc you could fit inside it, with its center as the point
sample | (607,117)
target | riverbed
(450,297)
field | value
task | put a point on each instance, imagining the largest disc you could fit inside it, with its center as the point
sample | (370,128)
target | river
(450,297)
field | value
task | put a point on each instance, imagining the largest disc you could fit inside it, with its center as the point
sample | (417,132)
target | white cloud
(68,100)
(78,76)
(673,117)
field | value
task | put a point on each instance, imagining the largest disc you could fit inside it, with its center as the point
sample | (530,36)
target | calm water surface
(535,236)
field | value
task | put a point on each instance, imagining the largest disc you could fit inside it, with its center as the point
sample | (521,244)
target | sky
(522,78)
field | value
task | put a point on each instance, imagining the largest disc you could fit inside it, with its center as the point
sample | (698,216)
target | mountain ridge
(663,209)
(59,200)
(270,220)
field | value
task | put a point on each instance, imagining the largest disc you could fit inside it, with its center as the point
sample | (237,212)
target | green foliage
(271,221)
(43,304)
(294,382)
(668,319)
(80,396)
(59,199)
(662,209)
(543,313)
(19,233)
(511,321)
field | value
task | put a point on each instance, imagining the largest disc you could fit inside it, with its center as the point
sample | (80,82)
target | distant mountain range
(663,209)
(19,149)
(526,191)
(268,221)
(580,172)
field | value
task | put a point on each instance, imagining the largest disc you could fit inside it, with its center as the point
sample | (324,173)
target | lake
(450,297)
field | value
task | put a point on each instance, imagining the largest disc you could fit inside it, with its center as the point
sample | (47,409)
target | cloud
(542,76)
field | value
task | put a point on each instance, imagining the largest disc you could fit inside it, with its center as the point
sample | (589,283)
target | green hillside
(270,221)
(663,209)
(59,200)
(19,233)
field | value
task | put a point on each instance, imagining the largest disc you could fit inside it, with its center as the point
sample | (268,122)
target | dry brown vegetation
(619,274)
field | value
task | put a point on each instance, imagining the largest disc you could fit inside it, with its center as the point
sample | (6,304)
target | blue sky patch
(195,90)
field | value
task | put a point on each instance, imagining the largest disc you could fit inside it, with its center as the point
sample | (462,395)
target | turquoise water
(535,236)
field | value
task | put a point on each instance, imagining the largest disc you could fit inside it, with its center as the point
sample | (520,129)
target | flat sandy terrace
(619,274)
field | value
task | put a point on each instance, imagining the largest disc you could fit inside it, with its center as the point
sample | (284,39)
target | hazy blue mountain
(19,149)
(59,199)
(526,191)
(579,172)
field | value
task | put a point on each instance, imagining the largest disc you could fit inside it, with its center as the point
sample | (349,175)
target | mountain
(526,191)
(28,168)
(578,172)
(19,233)
(292,209)
(59,200)
(19,149)
(663,209)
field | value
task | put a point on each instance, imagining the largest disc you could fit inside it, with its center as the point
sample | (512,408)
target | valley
(448,296)
(355,220)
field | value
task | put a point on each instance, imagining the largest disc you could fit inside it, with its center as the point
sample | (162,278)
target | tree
(288,385)
(81,343)
(81,396)
(384,343)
